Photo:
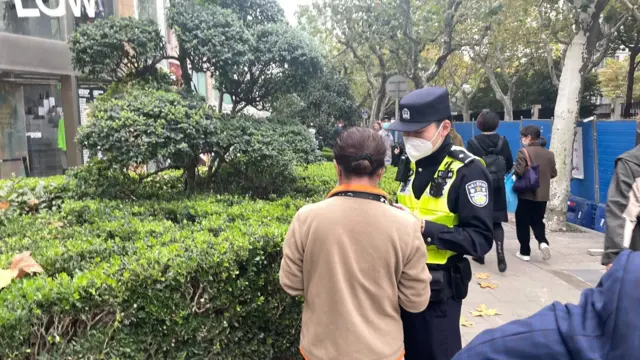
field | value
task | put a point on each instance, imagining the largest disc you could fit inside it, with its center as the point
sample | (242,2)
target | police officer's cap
(421,107)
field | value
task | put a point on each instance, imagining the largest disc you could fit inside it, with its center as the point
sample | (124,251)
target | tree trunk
(466,114)
(508,108)
(383,108)
(184,69)
(220,99)
(505,99)
(378,102)
(630,82)
(417,81)
(564,127)
(190,175)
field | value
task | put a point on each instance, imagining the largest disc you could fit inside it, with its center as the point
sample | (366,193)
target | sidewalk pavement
(525,287)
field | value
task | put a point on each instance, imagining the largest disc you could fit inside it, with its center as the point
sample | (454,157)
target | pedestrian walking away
(356,260)
(532,203)
(449,189)
(494,150)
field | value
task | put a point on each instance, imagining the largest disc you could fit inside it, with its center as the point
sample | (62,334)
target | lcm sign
(61,10)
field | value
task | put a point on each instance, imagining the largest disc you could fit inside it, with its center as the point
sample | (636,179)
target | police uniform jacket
(473,235)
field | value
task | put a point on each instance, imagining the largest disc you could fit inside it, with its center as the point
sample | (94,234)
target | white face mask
(418,148)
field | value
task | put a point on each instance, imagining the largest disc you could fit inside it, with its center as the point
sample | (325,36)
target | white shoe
(546,251)
(523,257)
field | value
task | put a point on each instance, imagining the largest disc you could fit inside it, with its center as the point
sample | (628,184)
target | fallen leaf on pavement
(482,276)
(466,323)
(482,310)
(24,264)
(6,276)
(487,285)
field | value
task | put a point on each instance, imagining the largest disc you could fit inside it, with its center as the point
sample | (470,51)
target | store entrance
(45,129)
(13,144)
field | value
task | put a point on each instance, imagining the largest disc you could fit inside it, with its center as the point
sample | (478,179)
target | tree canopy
(252,52)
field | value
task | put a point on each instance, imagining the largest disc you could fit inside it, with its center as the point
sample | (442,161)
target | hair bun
(365,156)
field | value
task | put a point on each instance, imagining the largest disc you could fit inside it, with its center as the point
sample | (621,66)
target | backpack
(494,163)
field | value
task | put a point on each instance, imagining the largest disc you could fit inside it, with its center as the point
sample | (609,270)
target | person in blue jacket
(604,325)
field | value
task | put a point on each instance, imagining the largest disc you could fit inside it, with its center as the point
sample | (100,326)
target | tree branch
(604,48)
(632,9)
(607,35)
(494,82)
(547,46)
(447,42)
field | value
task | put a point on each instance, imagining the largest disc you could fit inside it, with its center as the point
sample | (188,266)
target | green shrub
(141,125)
(315,181)
(21,196)
(101,180)
(187,279)
(171,279)
(260,155)
(327,154)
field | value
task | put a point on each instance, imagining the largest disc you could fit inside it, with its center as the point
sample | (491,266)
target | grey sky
(291,6)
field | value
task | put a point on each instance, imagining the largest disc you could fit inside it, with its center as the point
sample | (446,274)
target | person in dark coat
(623,207)
(603,325)
(486,144)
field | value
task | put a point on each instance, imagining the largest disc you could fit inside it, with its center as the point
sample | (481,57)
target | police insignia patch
(478,193)
(406,114)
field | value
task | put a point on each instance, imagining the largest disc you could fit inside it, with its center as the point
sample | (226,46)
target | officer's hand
(397,151)
(609,266)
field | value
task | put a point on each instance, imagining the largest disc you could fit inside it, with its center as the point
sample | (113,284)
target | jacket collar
(358,188)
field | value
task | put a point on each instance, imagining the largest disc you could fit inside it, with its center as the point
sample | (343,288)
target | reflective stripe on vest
(433,209)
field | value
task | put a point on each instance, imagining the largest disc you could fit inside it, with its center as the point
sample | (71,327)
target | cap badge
(405,114)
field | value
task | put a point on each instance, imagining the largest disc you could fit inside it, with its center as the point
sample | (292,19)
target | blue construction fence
(602,143)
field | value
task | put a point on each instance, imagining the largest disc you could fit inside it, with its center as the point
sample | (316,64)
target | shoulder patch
(478,192)
(461,154)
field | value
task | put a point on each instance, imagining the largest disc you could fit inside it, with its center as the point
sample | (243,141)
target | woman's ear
(446,127)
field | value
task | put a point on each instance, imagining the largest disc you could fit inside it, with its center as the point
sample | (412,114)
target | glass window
(226,99)
(42,26)
(147,10)
(103,8)
(13,139)
(199,83)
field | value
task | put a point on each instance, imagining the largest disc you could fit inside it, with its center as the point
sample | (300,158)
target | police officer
(449,189)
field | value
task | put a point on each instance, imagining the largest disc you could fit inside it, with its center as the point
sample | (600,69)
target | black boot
(479,260)
(502,262)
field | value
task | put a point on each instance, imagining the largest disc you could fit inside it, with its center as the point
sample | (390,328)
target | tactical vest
(436,209)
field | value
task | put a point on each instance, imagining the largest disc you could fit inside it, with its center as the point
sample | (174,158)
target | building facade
(43,101)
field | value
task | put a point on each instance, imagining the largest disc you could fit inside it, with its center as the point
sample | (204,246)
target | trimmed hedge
(183,279)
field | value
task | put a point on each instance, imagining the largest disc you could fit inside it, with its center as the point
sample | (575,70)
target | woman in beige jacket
(356,259)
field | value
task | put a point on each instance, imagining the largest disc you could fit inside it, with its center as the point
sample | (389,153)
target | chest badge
(478,193)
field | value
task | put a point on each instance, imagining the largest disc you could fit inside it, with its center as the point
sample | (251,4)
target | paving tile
(525,288)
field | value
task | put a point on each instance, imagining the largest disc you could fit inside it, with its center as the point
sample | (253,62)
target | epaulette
(461,154)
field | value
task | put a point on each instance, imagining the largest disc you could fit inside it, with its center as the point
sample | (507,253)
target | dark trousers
(530,214)
(433,334)
(498,237)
